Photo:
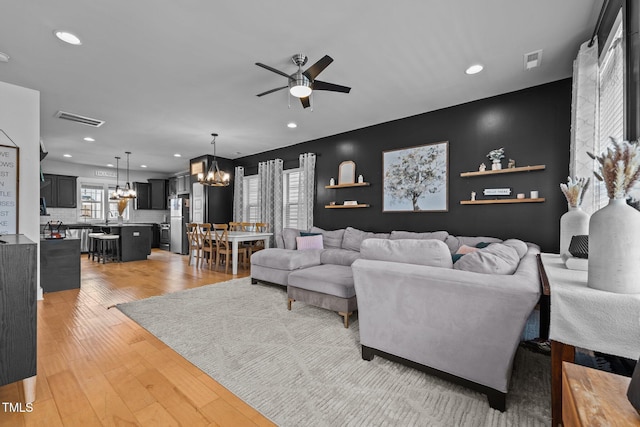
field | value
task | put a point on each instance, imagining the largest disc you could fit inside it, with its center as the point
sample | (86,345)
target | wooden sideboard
(18,310)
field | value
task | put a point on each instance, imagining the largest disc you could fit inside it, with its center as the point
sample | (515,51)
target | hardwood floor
(96,367)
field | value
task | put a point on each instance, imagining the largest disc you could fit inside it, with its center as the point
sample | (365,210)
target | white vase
(120,219)
(573,223)
(614,248)
(496,165)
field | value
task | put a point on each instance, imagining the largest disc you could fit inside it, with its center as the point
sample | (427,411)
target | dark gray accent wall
(533,126)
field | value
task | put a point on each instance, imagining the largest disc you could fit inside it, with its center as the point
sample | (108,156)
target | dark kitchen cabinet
(18,296)
(59,191)
(159,193)
(143,195)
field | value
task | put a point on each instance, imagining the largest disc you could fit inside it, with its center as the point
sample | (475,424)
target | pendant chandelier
(117,194)
(214,177)
(128,192)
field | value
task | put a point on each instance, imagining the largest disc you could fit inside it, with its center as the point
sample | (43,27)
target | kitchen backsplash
(70,216)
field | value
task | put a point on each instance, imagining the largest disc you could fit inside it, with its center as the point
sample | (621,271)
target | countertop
(115,225)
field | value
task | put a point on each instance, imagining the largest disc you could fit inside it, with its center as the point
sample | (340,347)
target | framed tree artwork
(416,179)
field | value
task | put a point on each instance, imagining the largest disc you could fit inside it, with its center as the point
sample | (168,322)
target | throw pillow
(464,249)
(305,233)
(520,246)
(494,259)
(305,243)
(456,257)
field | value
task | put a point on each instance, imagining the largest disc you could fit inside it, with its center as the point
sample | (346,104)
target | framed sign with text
(9,179)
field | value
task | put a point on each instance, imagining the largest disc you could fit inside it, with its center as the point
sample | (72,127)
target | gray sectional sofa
(462,321)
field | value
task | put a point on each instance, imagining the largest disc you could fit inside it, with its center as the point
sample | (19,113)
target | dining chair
(258,245)
(224,247)
(235,226)
(247,226)
(195,242)
(208,245)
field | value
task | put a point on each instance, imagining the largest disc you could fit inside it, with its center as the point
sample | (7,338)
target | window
(91,201)
(113,206)
(250,206)
(94,206)
(290,198)
(611,103)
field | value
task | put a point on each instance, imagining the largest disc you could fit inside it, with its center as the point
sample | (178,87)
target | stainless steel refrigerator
(179,219)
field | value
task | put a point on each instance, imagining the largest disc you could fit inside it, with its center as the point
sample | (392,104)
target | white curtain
(270,194)
(307,190)
(584,117)
(238,212)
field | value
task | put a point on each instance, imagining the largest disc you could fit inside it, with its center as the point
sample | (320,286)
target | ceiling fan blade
(313,71)
(305,102)
(266,67)
(319,85)
(272,90)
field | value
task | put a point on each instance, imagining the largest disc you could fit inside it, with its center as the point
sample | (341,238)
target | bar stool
(108,247)
(93,246)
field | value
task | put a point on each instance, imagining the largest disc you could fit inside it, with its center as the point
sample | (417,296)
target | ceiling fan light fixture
(300,86)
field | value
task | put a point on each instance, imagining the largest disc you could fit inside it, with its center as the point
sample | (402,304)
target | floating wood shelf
(500,201)
(355,184)
(346,206)
(508,170)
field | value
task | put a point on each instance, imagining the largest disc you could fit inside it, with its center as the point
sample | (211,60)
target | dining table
(235,237)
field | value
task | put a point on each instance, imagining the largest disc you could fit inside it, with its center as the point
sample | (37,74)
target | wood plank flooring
(96,367)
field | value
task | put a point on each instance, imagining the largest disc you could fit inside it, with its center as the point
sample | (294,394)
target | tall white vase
(573,223)
(614,248)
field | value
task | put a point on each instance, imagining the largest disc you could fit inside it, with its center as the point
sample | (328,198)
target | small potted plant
(495,156)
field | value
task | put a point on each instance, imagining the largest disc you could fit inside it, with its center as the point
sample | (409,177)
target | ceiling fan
(302,83)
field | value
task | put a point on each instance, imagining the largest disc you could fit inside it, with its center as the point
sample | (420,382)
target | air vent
(532,59)
(79,119)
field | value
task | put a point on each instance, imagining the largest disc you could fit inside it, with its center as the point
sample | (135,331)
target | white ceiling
(165,74)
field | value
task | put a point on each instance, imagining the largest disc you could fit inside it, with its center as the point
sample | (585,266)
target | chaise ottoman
(327,286)
(274,265)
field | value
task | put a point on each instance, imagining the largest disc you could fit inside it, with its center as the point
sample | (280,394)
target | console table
(587,318)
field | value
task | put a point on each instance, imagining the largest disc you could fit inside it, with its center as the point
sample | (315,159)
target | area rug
(302,367)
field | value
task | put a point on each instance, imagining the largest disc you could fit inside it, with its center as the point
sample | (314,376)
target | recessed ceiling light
(292,125)
(68,37)
(4,57)
(67,155)
(109,165)
(143,166)
(474,69)
(177,155)
(89,139)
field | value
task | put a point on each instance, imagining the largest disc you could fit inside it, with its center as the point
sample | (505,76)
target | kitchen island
(134,242)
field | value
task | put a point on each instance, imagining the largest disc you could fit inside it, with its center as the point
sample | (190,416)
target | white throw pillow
(497,258)
(309,242)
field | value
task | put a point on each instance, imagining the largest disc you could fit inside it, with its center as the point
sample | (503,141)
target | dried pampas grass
(122,205)
(574,190)
(619,167)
